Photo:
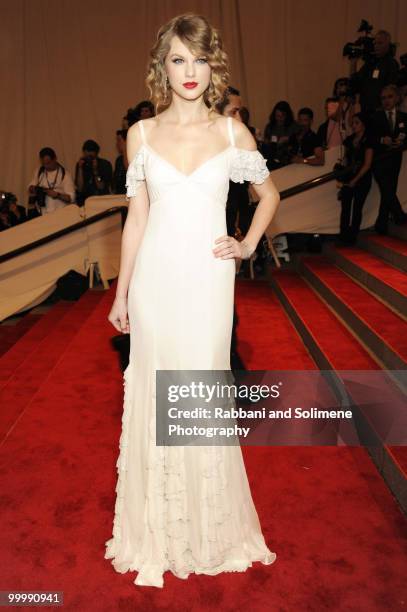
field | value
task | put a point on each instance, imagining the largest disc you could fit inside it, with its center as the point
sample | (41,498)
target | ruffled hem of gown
(173,520)
(153,575)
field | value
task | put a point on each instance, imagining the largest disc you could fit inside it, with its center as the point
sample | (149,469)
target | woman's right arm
(133,231)
(136,221)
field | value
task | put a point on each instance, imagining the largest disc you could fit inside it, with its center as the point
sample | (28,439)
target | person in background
(231,104)
(143,110)
(93,175)
(245,117)
(280,128)
(389,126)
(51,187)
(304,146)
(379,70)
(5,219)
(238,195)
(121,163)
(402,84)
(359,148)
(18,213)
(330,133)
(342,91)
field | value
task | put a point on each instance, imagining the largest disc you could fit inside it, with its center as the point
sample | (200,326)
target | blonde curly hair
(201,39)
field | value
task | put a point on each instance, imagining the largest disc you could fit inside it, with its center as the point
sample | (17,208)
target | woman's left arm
(269,198)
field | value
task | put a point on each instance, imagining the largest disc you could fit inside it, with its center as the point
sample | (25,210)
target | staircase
(349,307)
(39,343)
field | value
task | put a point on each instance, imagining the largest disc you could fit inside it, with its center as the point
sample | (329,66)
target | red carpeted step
(335,341)
(383,323)
(387,274)
(383,279)
(31,372)
(389,242)
(340,348)
(393,250)
(325,511)
(10,333)
(261,316)
(28,341)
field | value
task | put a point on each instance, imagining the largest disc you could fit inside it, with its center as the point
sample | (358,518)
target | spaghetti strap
(142,132)
(231,134)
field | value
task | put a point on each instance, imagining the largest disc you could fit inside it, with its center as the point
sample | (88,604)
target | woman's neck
(187,112)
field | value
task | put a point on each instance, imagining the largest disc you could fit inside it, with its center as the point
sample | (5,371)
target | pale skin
(199,135)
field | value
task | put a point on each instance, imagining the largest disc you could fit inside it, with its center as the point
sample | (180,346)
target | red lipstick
(190,84)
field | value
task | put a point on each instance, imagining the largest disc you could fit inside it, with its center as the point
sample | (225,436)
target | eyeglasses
(390,97)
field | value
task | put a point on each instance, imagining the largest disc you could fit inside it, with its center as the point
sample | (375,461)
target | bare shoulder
(244,139)
(133,141)
(243,136)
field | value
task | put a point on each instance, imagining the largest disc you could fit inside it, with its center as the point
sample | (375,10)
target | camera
(362,47)
(6,198)
(88,163)
(38,197)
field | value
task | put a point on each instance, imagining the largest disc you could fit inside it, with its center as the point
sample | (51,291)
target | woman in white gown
(183,508)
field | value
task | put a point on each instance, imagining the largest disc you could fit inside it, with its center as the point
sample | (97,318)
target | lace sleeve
(135,175)
(248,166)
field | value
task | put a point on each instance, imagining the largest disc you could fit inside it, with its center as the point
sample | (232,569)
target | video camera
(362,47)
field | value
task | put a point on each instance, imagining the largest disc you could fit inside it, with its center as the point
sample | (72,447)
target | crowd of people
(366,115)
(52,186)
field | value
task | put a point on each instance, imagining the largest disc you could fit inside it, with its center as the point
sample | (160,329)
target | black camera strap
(42,170)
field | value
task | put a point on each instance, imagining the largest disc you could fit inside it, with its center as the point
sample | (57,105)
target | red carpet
(9,334)
(37,364)
(375,266)
(339,347)
(387,324)
(337,343)
(395,244)
(20,350)
(339,536)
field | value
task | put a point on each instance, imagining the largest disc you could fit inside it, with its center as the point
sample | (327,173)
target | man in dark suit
(389,127)
(380,69)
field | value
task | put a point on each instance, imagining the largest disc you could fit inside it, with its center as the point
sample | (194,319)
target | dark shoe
(345,238)
(402,220)
(381,229)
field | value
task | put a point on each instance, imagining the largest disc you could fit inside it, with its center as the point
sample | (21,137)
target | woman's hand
(230,248)
(52,193)
(118,315)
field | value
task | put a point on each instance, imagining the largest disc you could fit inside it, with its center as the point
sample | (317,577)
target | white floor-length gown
(181,508)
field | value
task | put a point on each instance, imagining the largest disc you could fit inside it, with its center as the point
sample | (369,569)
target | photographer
(305,146)
(330,133)
(5,218)
(93,175)
(18,214)
(121,163)
(343,92)
(389,127)
(51,186)
(380,69)
(277,133)
(355,177)
(11,213)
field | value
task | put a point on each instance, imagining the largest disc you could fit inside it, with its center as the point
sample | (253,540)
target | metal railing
(66,230)
(286,193)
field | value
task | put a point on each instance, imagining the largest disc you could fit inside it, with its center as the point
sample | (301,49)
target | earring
(166,87)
